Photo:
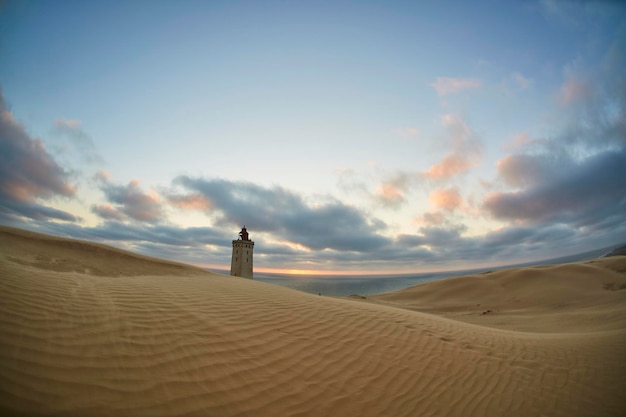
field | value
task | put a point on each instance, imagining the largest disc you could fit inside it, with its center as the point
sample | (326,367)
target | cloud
(350,182)
(516,236)
(128,202)
(446,199)
(434,244)
(573,90)
(190,202)
(576,176)
(392,191)
(433,218)
(446,246)
(549,195)
(332,225)
(518,142)
(410,240)
(200,245)
(592,115)
(28,173)
(520,170)
(383,188)
(445,86)
(559,193)
(452,165)
(77,142)
(108,212)
(442,236)
(102,176)
(389,194)
(464,154)
(164,234)
(12,212)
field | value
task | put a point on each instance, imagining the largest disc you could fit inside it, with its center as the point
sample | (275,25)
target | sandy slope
(577,297)
(86,330)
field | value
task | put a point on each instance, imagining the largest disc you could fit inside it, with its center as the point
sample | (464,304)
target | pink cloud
(107,211)
(464,154)
(27,171)
(446,199)
(129,201)
(445,86)
(449,167)
(392,191)
(389,194)
(191,202)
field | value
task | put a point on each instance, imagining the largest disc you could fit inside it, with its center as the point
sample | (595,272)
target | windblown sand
(87,330)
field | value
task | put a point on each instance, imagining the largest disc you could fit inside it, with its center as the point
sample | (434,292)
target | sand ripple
(200,344)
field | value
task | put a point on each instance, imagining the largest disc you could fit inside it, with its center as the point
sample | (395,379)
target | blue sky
(347,136)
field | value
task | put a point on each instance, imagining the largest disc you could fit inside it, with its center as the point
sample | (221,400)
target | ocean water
(342,285)
(345,285)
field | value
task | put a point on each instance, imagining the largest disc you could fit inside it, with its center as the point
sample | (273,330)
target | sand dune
(89,330)
(579,297)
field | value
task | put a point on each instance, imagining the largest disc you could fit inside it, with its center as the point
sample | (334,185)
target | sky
(347,136)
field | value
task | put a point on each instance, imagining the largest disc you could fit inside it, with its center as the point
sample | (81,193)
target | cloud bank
(332,225)
(29,175)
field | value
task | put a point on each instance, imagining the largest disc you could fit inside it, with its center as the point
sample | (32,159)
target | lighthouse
(241,260)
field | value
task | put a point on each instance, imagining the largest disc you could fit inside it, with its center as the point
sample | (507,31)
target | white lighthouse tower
(241,261)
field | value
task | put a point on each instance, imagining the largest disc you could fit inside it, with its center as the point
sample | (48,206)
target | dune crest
(91,330)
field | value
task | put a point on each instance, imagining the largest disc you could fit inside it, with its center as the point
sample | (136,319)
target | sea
(364,285)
